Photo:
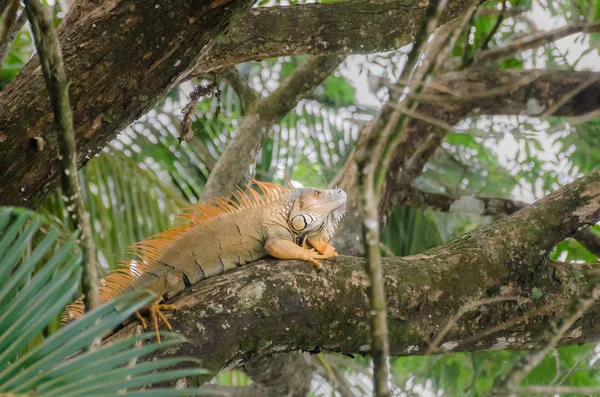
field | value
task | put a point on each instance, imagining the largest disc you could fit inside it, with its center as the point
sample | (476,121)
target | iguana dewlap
(284,223)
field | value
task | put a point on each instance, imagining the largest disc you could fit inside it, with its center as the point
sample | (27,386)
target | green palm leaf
(35,287)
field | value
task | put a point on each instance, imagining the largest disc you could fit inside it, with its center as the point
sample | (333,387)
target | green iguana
(284,223)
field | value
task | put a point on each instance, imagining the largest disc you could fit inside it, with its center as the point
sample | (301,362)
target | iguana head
(315,213)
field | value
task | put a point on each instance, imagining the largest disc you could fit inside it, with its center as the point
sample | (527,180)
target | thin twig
(369,192)
(8,19)
(423,117)
(581,359)
(12,33)
(486,41)
(524,367)
(433,346)
(239,84)
(532,41)
(559,390)
(46,42)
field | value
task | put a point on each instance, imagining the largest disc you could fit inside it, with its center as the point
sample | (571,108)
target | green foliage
(35,287)
(127,202)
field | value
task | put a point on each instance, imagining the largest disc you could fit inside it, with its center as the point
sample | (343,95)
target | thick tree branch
(118,72)
(348,27)
(259,120)
(46,43)
(278,306)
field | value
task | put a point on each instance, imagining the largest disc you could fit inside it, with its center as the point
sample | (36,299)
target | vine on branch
(46,42)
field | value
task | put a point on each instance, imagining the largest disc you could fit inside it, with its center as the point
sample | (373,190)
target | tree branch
(412,196)
(10,37)
(590,240)
(272,306)
(117,72)
(105,98)
(239,84)
(457,95)
(47,46)
(348,27)
(260,118)
(532,41)
(8,19)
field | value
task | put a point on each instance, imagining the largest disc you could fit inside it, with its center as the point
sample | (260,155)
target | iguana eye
(300,222)
(318,192)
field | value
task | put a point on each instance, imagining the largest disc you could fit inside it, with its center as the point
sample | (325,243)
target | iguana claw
(155,313)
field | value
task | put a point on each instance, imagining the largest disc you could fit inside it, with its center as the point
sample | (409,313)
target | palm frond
(35,287)
(127,202)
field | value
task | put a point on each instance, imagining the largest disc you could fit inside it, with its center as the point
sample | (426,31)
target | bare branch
(46,42)
(8,19)
(411,196)
(12,33)
(524,367)
(532,41)
(569,96)
(266,112)
(239,84)
(590,240)
(477,205)
(558,390)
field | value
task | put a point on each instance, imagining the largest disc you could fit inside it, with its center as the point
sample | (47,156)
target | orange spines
(148,251)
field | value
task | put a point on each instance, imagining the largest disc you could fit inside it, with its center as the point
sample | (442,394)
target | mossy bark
(272,306)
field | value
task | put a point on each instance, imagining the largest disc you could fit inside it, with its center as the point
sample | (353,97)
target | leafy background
(136,186)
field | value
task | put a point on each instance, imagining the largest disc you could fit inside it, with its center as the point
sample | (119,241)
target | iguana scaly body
(284,223)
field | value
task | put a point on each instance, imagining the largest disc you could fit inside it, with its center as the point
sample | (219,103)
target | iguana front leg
(284,249)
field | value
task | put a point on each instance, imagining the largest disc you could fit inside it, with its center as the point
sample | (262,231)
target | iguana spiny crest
(212,238)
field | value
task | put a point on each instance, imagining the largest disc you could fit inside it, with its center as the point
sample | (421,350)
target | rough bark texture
(272,306)
(473,93)
(347,27)
(117,70)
